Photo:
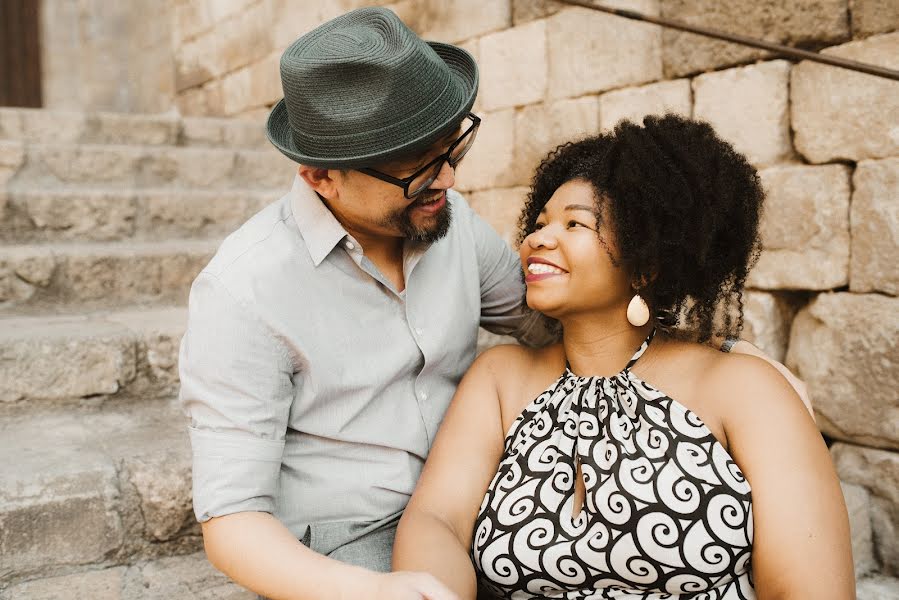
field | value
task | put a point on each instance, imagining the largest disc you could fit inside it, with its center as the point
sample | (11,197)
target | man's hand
(406,585)
(744,347)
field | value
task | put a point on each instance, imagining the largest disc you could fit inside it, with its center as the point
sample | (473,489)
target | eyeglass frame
(405,182)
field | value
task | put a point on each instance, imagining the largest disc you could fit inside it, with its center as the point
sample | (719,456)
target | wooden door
(20,56)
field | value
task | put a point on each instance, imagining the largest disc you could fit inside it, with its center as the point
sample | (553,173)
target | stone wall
(101,55)
(823,295)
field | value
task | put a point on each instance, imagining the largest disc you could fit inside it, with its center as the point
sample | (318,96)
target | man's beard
(402,220)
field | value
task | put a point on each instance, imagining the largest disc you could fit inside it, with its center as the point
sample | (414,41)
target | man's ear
(320,180)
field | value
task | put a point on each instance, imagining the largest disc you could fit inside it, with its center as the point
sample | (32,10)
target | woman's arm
(801,545)
(435,532)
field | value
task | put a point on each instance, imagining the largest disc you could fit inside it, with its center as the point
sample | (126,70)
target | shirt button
(423,395)
(418,331)
(350,246)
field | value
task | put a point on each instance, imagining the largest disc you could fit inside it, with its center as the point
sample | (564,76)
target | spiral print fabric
(667,512)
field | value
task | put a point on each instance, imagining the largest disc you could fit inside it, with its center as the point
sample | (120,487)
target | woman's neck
(601,344)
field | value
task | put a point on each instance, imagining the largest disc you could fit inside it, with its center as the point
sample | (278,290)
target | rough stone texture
(878,471)
(542,127)
(874,222)
(766,321)
(500,208)
(873,16)
(804,228)
(461,20)
(858,505)
(840,114)
(528,10)
(513,66)
(845,348)
(12,157)
(190,18)
(291,19)
(749,107)
(197,61)
(99,359)
(164,485)
(491,161)
(794,23)
(653,99)
(877,588)
(100,273)
(591,51)
(243,36)
(96,585)
(56,508)
(222,132)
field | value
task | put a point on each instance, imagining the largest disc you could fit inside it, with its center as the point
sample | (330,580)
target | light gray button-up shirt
(314,388)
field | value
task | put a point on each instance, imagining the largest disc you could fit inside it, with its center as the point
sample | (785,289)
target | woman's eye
(575,224)
(538,226)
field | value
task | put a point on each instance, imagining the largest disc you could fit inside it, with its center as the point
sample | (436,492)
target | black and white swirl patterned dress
(667,513)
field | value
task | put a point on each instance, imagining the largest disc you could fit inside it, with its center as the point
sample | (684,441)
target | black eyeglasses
(425,176)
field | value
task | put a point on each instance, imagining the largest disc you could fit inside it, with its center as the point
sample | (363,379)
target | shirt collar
(318,226)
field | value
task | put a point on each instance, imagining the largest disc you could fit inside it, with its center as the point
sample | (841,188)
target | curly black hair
(684,207)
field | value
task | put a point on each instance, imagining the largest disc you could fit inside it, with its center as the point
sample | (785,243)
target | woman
(632,460)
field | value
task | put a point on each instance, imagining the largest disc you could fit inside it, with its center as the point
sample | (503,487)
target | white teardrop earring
(637,311)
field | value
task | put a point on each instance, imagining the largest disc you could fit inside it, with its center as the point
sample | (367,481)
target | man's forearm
(260,553)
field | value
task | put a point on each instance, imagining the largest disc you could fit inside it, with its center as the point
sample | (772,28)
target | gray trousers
(368,545)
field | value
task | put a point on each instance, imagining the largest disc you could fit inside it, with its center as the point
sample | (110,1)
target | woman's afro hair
(684,209)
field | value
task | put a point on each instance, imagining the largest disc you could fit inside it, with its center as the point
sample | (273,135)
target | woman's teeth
(541,269)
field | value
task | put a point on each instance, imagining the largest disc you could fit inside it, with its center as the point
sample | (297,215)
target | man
(327,335)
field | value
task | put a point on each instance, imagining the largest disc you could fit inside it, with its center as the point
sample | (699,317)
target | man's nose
(446,178)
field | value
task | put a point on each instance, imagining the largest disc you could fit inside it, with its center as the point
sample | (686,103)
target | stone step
(187,577)
(68,277)
(62,126)
(100,488)
(47,362)
(877,587)
(84,214)
(24,165)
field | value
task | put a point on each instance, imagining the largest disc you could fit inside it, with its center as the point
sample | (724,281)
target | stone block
(653,99)
(96,585)
(225,133)
(58,508)
(513,66)
(244,37)
(195,214)
(592,52)
(267,169)
(838,114)
(804,228)
(74,214)
(749,107)
(25,272)
(100,359)
(858,505)
(878,472)
(291,19)
(222,9)
(12,157)
(542,127)
(491,161)
(501,208)
(877,587)
(83,164)
(874,223)
(844,347)
(873,16)
(237,91)
(190,19)
(198,61)
(795,23)
(529,10)
(766,321)
(119,128)
(265,81)
(461,20)
(192,102)
(41,124)
(188,576)
(163,482)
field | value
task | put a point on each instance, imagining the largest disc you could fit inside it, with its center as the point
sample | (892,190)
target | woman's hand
(407,585)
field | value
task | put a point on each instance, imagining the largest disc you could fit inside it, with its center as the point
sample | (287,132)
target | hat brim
(462,67)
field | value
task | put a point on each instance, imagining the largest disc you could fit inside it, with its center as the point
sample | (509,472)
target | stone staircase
(105,219)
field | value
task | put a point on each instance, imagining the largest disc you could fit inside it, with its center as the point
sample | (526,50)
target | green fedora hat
(363,89)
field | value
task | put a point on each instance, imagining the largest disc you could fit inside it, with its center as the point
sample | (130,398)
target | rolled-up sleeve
(237,388)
